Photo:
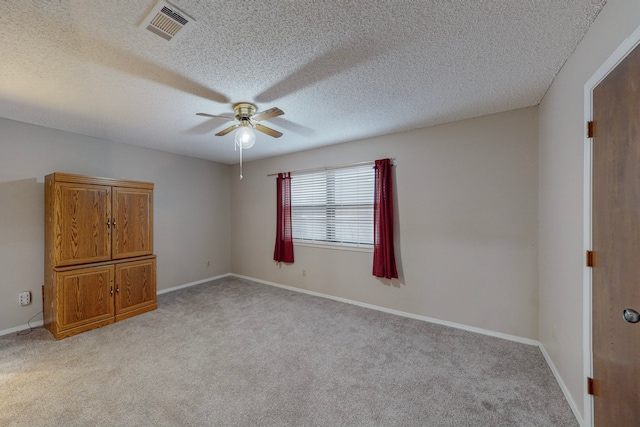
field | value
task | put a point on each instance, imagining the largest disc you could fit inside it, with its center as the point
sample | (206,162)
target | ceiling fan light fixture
(245,137)
(247,120)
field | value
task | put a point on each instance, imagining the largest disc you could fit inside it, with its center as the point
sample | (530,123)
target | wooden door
(132,222)
(82,233)
(135,288)
(84,298)
(616,244)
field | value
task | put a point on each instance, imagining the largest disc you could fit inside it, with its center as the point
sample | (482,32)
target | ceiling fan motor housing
(244,111)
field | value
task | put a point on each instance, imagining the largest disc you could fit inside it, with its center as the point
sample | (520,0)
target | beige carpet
(236,353)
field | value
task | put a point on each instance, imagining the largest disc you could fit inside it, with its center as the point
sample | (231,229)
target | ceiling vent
(167,21)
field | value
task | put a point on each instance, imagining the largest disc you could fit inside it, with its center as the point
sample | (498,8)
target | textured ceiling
(340,70)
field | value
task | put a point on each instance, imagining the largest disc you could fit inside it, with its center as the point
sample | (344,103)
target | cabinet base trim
(135,312)
(60,334)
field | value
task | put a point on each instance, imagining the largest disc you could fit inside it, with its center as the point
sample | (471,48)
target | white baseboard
(399,313)
(563,386)
(197,282)
(34,324)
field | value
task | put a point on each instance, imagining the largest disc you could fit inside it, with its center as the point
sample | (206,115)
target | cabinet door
(135,288)
(85,297)
(132,222)
(81,233)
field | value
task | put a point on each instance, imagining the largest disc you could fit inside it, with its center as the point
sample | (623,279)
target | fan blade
(268,131)
(215,117)
(267,114)
(223,132)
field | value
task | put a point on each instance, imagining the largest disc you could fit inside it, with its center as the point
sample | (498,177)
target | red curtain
(384,261)
(283,251)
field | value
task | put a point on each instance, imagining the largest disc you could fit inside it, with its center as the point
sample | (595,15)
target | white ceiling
(340,70)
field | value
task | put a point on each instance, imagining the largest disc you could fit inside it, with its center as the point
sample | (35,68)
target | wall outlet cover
(24,298)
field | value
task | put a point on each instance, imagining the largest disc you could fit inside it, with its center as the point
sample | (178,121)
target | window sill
(333,246)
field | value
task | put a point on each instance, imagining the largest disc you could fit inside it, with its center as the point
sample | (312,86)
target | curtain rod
(326,168)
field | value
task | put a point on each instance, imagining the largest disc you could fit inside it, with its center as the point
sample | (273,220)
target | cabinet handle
(112,290)
(114,222)
(109,223)
(118,290)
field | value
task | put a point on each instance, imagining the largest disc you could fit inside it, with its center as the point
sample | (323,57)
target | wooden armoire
(99,265)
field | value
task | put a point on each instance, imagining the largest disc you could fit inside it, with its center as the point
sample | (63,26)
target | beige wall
(466,236)
(191,212)
(561,159)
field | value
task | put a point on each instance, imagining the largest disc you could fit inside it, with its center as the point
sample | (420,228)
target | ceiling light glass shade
(245,137)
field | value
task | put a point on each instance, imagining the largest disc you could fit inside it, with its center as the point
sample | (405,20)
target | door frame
(612,62)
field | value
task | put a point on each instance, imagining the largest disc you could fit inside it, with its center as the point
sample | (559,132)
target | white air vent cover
(168,21)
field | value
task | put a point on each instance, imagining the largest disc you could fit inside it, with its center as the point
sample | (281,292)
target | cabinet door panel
(84,296)
(133,222)
(81,232)
(135,288)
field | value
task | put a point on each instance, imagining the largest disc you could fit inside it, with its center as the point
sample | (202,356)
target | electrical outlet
(554,333)
(304,272)
(24,298)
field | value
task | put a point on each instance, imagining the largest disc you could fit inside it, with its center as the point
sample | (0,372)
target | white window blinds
(334,206)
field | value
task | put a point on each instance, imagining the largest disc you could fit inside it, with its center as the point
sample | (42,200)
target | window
(334,206)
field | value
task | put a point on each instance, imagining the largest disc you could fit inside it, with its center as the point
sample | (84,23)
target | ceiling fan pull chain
(240,161)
